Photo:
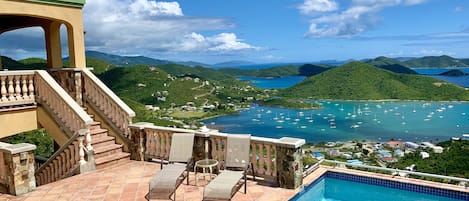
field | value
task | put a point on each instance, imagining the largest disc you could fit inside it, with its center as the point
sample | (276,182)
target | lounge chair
(165,182)
(227,183)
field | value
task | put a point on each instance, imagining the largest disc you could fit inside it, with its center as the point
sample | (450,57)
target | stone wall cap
(18,148)
(141,125)
(291,142)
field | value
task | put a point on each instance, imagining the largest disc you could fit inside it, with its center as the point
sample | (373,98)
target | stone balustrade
(67,161)
(17,170)
(273,159)
(16,88)
(64,108)
(108,104)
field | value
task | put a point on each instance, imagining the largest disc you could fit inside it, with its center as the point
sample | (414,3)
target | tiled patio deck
(130,182)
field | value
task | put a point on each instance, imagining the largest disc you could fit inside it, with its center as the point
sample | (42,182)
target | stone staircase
(106,151)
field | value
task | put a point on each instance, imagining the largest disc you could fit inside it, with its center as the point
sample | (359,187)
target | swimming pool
(334,186)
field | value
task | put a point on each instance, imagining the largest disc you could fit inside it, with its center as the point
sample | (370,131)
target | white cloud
(361,16)
(155,8)
(425,52)
(312,6)
(142,26)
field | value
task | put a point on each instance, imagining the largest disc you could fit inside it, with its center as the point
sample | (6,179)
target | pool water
(332,189)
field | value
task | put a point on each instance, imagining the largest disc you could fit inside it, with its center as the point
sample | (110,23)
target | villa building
(90,125)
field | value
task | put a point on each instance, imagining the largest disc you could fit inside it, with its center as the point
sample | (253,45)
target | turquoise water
(380,121)
(330,189)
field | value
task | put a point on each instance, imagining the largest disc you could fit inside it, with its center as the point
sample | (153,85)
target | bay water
(353,120)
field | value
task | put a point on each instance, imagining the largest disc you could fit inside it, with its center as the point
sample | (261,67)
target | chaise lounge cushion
(223,186)
(166,181)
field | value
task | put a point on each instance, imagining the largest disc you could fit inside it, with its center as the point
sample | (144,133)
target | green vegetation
(311,69)
(290,103)
(44,143)
(436,62)
(182,96)
(360,81)
(278,71)
(392,65)
(453,73)
(25,64)
(454,161)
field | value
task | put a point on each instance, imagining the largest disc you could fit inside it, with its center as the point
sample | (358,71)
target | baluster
(11,90)
(88,140)
(214,148)
(24,87)
(156,144)
(72,154)
(56,168)
(18,88)
(148,147)
(168,144)
(47,174)
(274,169)
(63,164)
(254,156)
(261,159)
(31,87)
(3,89)
(67,160)
(268,160)
(81,150)
(220,150)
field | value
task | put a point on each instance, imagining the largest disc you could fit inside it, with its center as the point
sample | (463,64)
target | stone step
(112,160)
(98,132)
(103,151)
(95,125)
(102,141)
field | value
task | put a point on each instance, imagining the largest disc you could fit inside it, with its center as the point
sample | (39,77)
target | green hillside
(436,61)
(197,71)
(24,64)
(312,69)
(278,71)
(392,65)
(360,81)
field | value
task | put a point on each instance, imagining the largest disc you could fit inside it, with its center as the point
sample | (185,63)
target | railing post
(138,141)
(288,162)
(20,167)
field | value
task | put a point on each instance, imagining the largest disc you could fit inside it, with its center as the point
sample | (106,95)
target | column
(53,45)
(19,167)
(76,44)
(288,162)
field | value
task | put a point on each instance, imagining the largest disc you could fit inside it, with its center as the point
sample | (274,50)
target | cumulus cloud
(313,6)
(149,26)
(359,17)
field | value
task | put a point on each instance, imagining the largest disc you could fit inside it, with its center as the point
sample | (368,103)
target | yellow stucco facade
(21,14)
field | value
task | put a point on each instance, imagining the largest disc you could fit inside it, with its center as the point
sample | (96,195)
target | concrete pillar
(288,162)
(53,45)
(18,161)
(76,45)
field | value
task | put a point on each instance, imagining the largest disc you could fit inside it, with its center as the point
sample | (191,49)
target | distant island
(361,81)
(453,73)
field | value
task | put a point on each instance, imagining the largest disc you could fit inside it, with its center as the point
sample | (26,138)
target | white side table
(205,164)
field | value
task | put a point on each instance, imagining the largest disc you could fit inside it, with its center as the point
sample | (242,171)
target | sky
(212,31)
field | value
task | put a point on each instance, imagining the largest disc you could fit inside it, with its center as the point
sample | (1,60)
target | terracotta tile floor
(130,182)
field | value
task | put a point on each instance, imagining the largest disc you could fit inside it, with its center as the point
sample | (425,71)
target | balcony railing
(20,88)
(273,159)
(16,88)
(84,86)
